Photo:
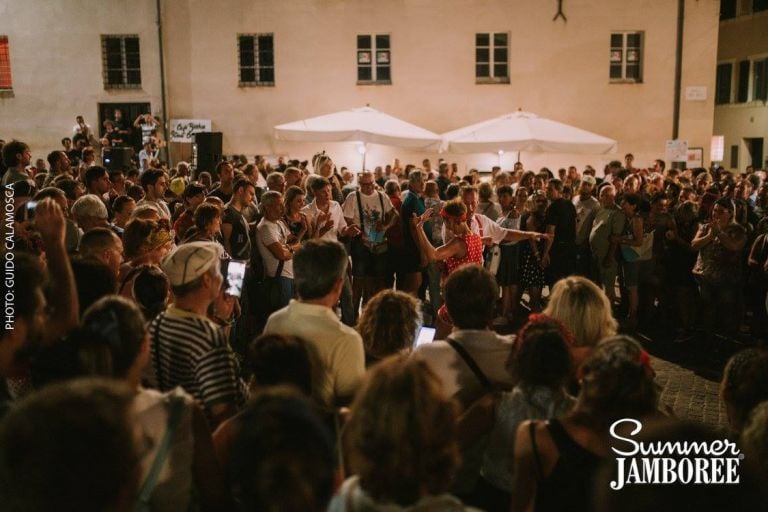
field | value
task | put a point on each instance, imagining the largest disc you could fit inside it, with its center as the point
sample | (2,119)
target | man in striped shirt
(189,349)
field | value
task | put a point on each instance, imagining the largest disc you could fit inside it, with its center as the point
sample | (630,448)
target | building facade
(248,65)
(741,96)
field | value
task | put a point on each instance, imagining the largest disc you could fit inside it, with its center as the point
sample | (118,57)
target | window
(121,62)
(727,9)
(492,58)
(626,57)
(734,156)
(723,83)
(760,80)
(374,59)
(742,90)
(6,84)
(759,5)
(256,55)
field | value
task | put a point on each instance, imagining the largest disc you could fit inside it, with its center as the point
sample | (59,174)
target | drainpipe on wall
(678,68)
(162,80)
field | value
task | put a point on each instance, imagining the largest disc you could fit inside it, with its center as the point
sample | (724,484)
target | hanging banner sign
(184,130)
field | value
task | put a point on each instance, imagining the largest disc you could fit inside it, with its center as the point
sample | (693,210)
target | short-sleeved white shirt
(337,215)
(270,232)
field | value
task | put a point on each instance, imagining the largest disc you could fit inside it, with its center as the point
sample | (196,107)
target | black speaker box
(208,151)
(117,158)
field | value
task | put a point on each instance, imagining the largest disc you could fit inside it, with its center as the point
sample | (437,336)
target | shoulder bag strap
(156,347)
(381,200)
(174,417)
(359,207)
(479,225)
(471,363)
(281,263)
(535,449)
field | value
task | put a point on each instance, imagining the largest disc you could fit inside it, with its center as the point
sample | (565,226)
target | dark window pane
(482,55)
(734,157)
(114,61)
(762,88)
(114,77)
(265,43)
(132,60)
(500,70)
(267,74)
(113,45)
(759,5)
(482,40)
(743,87)
(247,75)
(266,59)
(364,73)
(134,76)
(615,71)
(382,42)
(723,84)
(246,59)
(500,39)
(633,40)
(382,73)
(482,71)
(132,44)
(500,55)
(617,41)
(363,42)
(633,72)
(727,9)
(246,43)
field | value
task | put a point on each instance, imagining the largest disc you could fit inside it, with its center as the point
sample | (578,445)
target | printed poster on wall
(184,130)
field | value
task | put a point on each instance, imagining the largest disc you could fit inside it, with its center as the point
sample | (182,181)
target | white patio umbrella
(524,131)
(363,125)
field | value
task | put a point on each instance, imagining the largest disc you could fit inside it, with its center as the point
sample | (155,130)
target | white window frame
(258,81)
(624,49)
(492,78)
(373,62)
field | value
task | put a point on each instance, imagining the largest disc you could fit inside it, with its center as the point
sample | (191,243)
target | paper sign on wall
(717,148)
(184,130)
(696,93)
(676,150)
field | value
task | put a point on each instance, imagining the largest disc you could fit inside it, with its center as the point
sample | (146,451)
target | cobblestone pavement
(689,395)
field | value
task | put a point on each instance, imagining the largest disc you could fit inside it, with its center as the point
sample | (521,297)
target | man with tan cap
(189,349)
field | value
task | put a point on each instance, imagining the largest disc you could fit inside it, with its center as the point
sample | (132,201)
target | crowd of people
(256,337)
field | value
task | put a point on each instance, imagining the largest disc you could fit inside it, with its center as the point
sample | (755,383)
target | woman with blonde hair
(401,441)
(585,311)
(388,324)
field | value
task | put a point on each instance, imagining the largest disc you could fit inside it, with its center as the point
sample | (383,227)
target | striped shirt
(190,351)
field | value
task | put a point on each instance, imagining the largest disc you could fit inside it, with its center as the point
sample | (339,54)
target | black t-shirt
(562,214)
(217,192)
(239,240)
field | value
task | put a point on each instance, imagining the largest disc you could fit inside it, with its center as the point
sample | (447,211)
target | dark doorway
(130,112)
(755,150)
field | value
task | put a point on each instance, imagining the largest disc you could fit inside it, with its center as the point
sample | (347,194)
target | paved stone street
(688,395)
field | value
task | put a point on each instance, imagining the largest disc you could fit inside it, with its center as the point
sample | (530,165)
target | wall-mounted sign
(184,130)
(696,93)
(717,148)
(676,150)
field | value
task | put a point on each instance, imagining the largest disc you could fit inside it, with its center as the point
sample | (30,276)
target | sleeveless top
(569,485)
(474,254)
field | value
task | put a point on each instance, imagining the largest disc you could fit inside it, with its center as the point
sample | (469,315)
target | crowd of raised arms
(257,337)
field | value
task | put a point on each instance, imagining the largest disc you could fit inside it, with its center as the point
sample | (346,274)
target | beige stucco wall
(56,65)
(741,38)
(558,70)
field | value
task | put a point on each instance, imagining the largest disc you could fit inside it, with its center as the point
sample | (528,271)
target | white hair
(89,205)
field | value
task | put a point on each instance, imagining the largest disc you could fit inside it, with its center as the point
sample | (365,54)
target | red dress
(473,256)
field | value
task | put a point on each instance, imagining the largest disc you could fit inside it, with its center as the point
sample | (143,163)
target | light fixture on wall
(362,150)
(501,153)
